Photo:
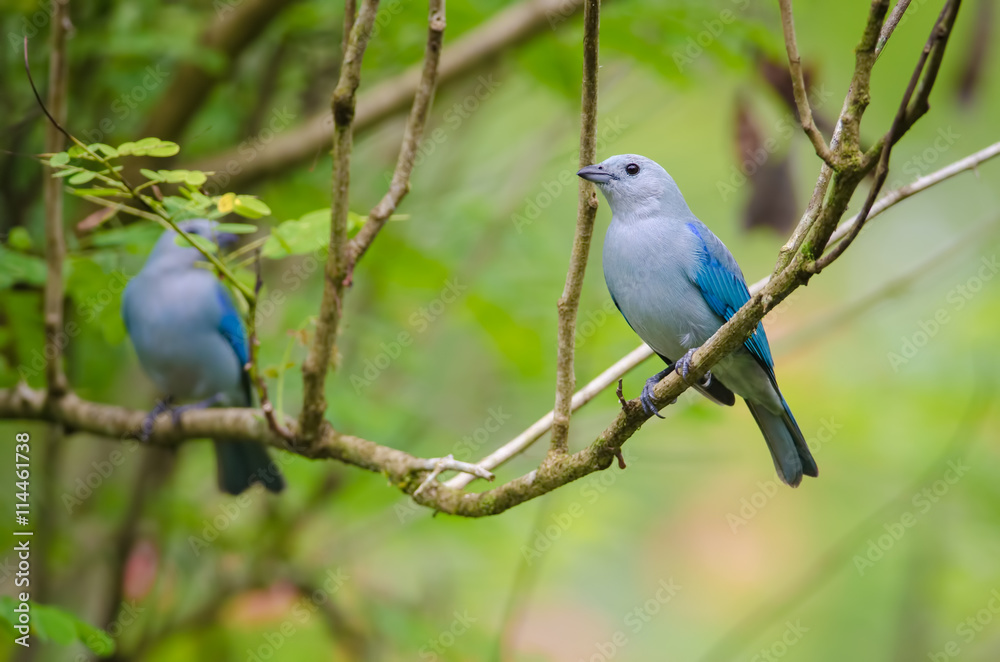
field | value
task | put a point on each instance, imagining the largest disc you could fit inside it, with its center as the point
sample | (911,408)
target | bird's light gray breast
(174,326)
(648,266)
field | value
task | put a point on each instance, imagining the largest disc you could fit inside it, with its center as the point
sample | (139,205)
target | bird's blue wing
(231,328)
(721,283)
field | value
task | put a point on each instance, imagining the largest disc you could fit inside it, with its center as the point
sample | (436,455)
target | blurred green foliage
(448,346)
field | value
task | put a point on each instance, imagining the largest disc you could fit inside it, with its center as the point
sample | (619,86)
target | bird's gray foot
(683,367)
(175,412)
(146,429)
(647,392)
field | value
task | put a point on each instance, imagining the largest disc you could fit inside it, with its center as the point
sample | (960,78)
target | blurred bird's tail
(788,448)
(243,463)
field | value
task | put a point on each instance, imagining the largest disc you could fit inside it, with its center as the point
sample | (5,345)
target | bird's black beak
(594,173)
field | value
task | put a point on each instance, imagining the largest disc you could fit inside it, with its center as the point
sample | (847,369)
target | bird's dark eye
(632,169)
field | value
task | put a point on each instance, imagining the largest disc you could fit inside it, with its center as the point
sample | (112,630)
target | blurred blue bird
(676,283)
(192,344)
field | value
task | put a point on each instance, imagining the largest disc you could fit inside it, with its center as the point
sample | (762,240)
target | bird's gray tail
(242,463)
(788,447)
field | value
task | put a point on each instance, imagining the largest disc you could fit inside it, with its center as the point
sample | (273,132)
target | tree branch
(846,130)
(55,241)
(890,25)
(508,28)
(322,349)
(799,84)
(905,118)
(412,135)
(569,302)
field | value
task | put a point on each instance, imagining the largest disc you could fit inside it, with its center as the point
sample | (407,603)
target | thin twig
(799,85)
(350,13)
(252,366)
(819,217)
(905,116)
(322,349)
(412,135)
(890,25)
(569,302)
(55,240)
(449,463)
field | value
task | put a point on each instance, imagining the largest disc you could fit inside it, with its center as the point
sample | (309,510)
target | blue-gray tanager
(676,283)
(192,344)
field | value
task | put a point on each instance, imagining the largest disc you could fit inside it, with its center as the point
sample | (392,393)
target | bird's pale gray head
(180,254)
(632,183)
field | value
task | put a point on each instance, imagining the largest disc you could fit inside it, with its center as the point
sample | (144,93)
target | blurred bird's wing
(231,328)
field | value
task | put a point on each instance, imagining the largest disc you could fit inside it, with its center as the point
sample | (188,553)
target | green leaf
(250,207)
(60,159)
(59,626)
(19,239)
(166,149)
(52,624)
(96,639)
(354,222)
(99,192)
(149,147)
(191,177)
(66,172)
(107,150)
(195,178)
(20,268)
(7,613)
(151,175)
(199,198)
(81,177)
(303,235)
(173,176)
(236,228)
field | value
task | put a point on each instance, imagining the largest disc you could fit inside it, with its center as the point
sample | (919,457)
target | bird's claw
(175,412)
(164,405)
(647,393)
(146,429)
(647,402)
(683,367)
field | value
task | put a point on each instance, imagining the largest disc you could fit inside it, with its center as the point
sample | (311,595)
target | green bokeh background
(761,571)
